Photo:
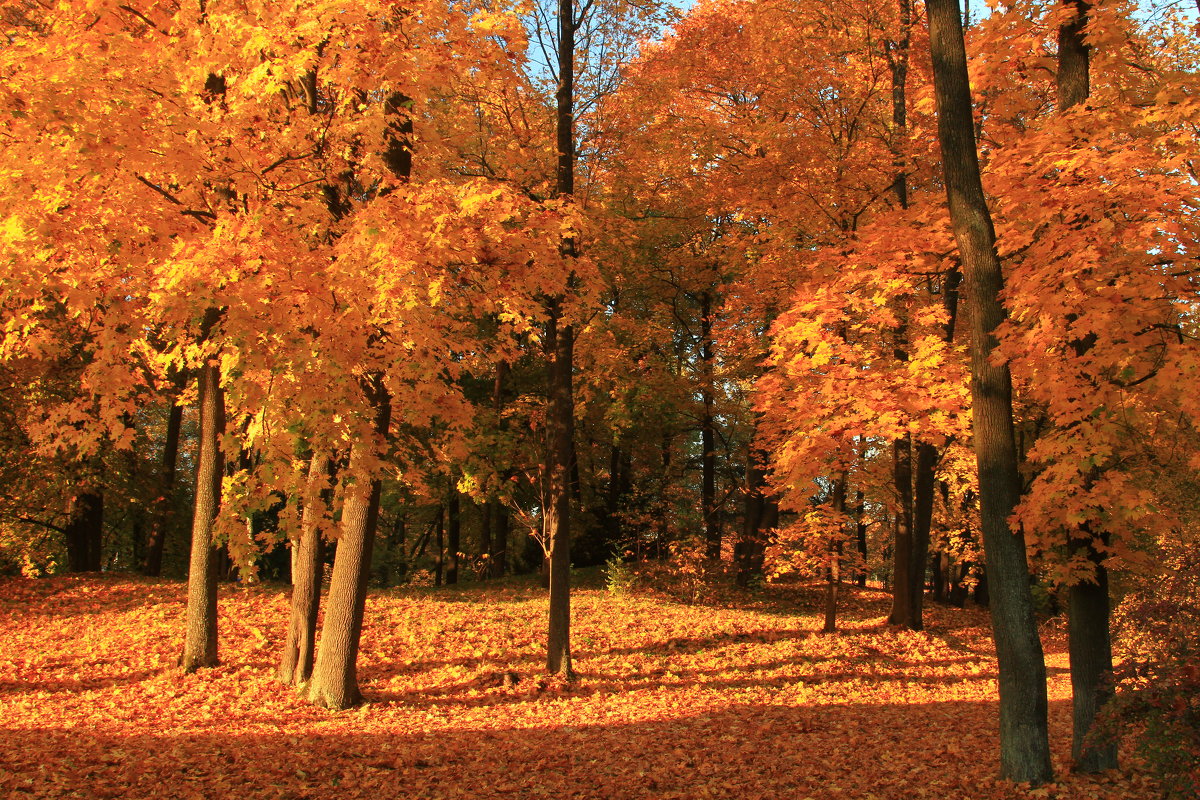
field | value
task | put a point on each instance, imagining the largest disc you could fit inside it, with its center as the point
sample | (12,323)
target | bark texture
(335,677)
(1024,744)
(200,642)
(296,664)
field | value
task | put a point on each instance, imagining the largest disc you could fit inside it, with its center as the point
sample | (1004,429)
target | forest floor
(672,701)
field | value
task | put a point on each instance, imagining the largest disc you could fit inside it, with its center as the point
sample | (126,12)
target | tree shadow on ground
(942,750)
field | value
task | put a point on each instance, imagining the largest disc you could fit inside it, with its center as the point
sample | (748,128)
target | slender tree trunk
(335,677)
(833,568)
(1024,743)
(498,548)
(860,534)
(453,531)
(560,341)
(927,458)
(903,550)
(750,552)
(500,540)
(162,505)
(200,643)
(1090,644)
(296,664)
(485,539)
(708,443)
(439,562)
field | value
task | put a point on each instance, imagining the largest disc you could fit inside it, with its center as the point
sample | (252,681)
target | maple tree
(478,288)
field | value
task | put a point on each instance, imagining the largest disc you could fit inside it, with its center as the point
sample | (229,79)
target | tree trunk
(439,559)
(927,458)
(200,643)
(335,677)
(903,549)
(560,343)
(860,534)
(499,540)
(1024,744)
(751,549)
(296,664)
(708,444)
(84,532)
(162,505)
(558,507)
(833,569)
(1090,638)
(453,531)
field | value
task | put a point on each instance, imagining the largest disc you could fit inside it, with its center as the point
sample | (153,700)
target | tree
(1024,744)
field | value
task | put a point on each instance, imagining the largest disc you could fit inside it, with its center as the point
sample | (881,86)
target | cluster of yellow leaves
(672,701)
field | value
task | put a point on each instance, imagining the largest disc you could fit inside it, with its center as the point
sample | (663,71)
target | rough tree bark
(1024,745)
(335,677)
(200,642)
(296,664)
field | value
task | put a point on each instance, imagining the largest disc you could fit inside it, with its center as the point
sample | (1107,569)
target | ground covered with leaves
(746,700)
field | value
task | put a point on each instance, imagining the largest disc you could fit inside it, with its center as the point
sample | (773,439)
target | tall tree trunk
(833,568)
(560,342)
(1090,644)
(439,559)
(927,459)
(500,539)
(903,550)
(335,677)
(860,534)
(200,643)
(1024,743)
(453,531)
(902,465)
(751,549)
(498,548)
(296,664)
(708,443)
(162,505)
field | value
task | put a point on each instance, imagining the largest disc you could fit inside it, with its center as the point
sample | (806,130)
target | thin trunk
(453,531)
(485,540)
(200,644)
(708,445)
(439,559)
(902,461)
(161,506)
(335,677)
(1090,643)
(296,663)
(500,541)
(927,458)
(833,567)
(751,549)
(560,342)
(903,549)
(612,502)
(1024,743)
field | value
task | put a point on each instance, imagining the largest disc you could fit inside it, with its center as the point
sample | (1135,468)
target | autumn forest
(599,399)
